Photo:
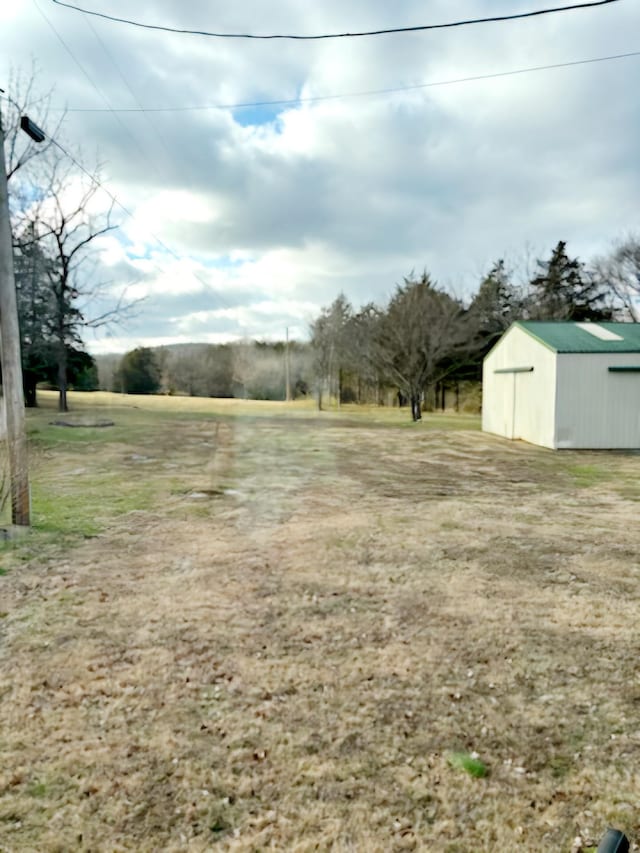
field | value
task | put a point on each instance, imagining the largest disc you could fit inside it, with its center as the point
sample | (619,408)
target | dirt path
(283,652)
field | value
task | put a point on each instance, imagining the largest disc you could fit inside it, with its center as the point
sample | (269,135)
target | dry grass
(282,627)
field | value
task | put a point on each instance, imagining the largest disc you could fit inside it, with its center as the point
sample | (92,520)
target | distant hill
(245,369)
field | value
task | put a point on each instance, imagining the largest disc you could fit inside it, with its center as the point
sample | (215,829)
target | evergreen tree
(564,290)
(82,370)
(419,338)
(497,303)
(36,300)
(32,267)
(139,372)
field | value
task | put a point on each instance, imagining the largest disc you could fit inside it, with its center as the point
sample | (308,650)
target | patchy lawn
(257,627)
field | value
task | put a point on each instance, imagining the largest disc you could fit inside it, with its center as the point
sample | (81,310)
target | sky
(243,221)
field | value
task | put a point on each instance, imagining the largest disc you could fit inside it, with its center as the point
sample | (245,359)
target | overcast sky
(266,213)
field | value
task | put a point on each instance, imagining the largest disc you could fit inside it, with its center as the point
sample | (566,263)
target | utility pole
(287,369)
(10,350)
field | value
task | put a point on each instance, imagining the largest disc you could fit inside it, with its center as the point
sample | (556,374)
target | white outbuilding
(565,385)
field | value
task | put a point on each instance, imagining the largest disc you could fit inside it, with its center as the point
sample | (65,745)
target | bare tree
(187,373)
(330,344)
(620,271)
(67,221)
(22,98)
(361,337)
(63,223)
(242,366)
(56,223)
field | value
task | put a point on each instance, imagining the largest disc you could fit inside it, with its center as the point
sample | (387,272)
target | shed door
(514,382)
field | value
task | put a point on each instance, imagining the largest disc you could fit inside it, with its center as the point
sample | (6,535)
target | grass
(258,627)
(470,763)
(589,475)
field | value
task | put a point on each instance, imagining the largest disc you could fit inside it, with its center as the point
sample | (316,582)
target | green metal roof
(574,337)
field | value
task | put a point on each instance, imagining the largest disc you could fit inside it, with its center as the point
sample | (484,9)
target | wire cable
(286,102)
(153,124)
(421,28)
(86,74)
(110,109)
(116,201)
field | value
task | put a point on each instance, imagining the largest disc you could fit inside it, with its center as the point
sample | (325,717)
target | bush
(139,372)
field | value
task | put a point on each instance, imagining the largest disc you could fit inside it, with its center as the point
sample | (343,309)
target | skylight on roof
(599,332)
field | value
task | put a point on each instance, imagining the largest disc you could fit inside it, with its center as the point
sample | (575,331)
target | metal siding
(519,405)
(597,409)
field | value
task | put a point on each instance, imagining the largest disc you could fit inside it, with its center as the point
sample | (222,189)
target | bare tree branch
(20,150)
(620,271)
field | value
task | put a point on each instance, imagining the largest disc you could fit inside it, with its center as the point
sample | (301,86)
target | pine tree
(497,303)
(564,290)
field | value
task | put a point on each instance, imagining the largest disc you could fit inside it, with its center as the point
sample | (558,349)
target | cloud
(249,220)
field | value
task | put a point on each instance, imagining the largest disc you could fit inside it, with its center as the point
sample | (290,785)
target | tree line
(247,369)
(425,336)
(422,338)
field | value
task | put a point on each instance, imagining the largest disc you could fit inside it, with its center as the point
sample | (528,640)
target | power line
(150,118)
(151,121)
(116,201)
(421,28)
(110,109)
(366,93)
(86,74)
(93,178)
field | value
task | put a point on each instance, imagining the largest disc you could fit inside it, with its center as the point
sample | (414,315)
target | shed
(565,385)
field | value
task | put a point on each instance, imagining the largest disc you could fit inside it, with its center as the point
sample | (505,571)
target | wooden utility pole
(12,362)
(287,369)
